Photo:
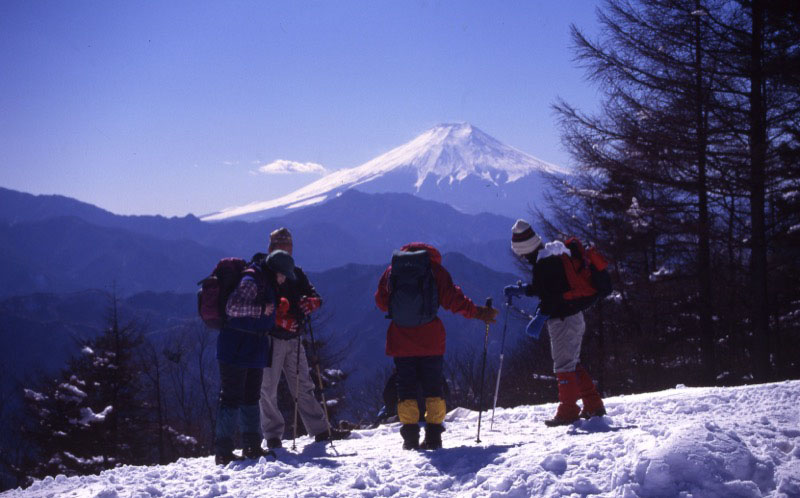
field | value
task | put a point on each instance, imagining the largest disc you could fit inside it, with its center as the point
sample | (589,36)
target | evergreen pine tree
(92,416)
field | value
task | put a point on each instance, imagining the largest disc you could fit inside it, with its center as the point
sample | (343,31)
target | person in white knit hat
(566,280)
(523,239)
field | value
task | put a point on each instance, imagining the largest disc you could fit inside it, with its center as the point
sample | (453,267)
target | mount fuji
(457,164)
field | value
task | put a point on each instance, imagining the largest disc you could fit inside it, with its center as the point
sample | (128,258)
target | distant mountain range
(457,164)
(60,258)
(57,244)
(40,331)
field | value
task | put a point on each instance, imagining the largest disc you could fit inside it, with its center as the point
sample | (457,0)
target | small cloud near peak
(284,167)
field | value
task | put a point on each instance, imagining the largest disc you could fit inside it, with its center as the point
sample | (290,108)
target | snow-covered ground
(684,442)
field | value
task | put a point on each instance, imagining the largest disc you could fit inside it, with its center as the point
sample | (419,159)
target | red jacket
(427,339)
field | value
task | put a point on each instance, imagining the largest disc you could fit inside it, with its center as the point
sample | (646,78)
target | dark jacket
(427,339)
(244,341)
(550,283)
(294,291)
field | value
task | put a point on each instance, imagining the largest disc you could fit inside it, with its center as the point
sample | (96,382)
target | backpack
(413,294)
(585,270)
(212,296)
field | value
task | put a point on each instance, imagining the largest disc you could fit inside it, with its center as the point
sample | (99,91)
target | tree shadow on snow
(463,460)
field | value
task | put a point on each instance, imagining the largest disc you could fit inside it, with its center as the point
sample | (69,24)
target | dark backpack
(212,296)
(413,295)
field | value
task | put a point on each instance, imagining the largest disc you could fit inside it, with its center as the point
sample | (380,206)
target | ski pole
(296,393)
(500,369)
(315,361)
(483,370)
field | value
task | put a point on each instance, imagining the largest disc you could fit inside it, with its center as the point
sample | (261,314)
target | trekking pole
(315,361)
(500,369)
(483,370)
(296,392)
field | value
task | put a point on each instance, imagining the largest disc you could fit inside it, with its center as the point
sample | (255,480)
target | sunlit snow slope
(684,442)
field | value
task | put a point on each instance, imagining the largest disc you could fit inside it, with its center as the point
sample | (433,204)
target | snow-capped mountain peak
(452,152)
(437,164)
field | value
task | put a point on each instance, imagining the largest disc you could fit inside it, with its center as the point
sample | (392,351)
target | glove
(283,306)
(309,304)
(514,290)
(488,315)
(283,319)
(534,328)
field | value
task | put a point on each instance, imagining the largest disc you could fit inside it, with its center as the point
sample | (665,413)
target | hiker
(567,280)
(243,346)
(298,299)
(411,291)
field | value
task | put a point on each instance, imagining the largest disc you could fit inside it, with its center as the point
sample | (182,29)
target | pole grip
(489,302)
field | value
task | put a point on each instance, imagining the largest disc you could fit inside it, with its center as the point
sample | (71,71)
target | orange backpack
(579,267)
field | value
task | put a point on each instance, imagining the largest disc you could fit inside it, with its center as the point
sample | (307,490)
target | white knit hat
(523,239)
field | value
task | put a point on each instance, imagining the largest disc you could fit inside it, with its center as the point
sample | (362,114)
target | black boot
(331,435)
(410,433)
(433,437)
(224,458)
(227,416)
(256,452)
(587,414)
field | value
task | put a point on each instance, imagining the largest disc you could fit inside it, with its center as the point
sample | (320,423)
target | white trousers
(285,359)
(566,336)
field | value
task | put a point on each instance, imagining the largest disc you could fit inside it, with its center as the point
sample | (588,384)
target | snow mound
(704,460)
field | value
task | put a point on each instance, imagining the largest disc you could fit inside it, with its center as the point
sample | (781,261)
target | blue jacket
(245,341)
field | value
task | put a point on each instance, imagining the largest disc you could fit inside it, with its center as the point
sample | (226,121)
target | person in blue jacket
(243,351)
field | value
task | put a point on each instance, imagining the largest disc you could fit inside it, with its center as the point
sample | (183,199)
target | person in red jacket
(418,350)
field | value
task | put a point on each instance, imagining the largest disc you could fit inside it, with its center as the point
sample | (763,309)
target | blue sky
(171,107)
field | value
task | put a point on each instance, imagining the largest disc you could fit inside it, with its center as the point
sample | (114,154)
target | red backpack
(212,296)
(585,271)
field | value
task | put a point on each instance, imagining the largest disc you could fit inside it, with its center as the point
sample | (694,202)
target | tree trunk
(705,301)
(759,312)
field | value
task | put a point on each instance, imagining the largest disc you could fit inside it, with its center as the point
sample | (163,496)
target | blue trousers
(414,372)
(240,389)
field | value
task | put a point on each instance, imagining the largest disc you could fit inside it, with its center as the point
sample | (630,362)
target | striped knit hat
(523,239)
(280,237)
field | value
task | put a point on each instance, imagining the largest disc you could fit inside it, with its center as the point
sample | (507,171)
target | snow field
(683,442)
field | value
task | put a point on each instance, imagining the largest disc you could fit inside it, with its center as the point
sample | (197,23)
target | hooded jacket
(427,339)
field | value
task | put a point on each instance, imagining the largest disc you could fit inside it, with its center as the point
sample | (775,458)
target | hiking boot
(331,435)
(592,402)
(559,421)
(225,458)
(568,394)
(433,437)
(274,442)
(410,433)
(597,413)
(256,452)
